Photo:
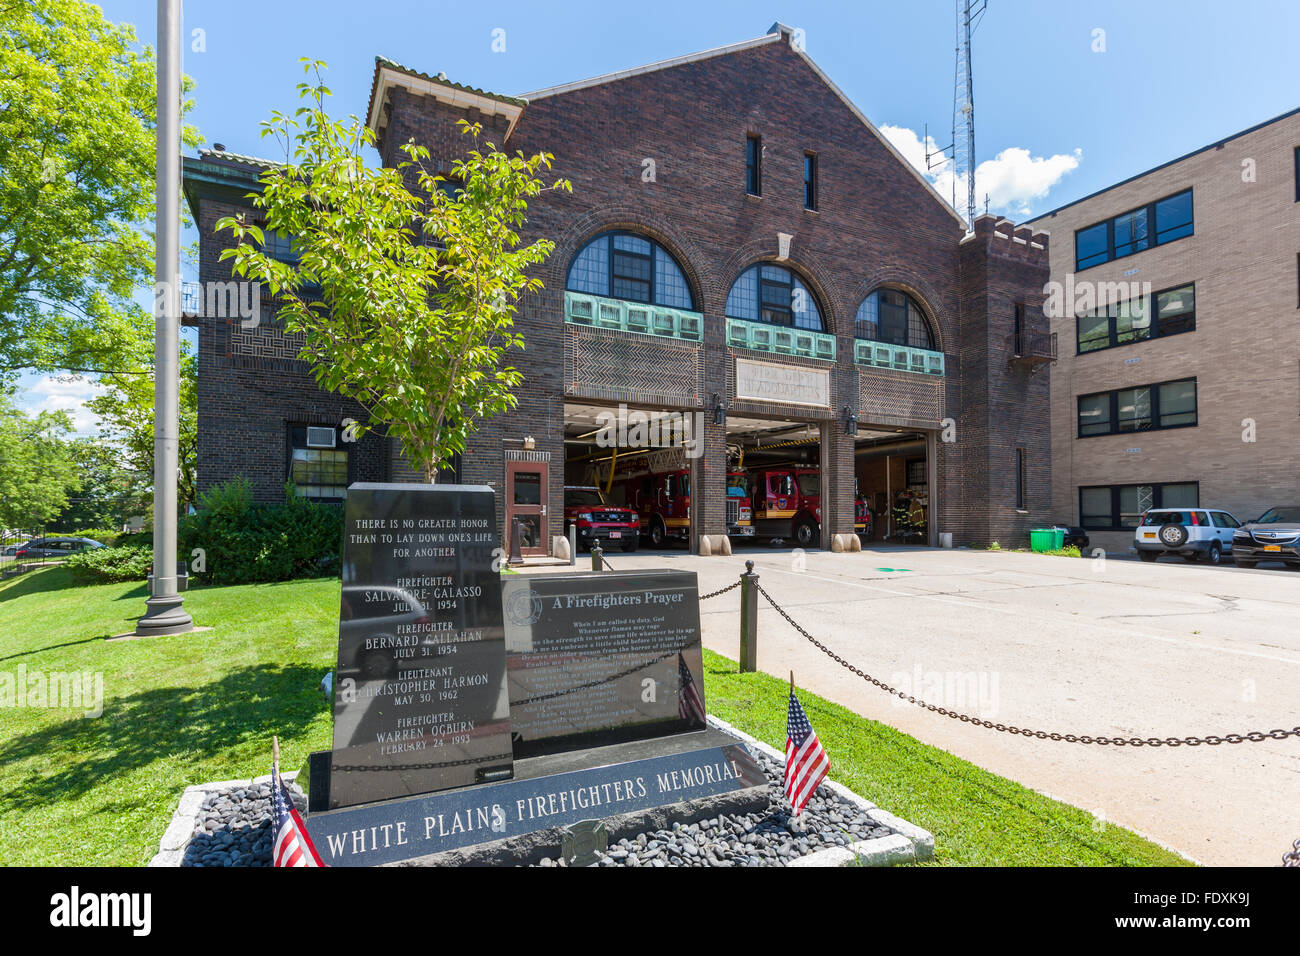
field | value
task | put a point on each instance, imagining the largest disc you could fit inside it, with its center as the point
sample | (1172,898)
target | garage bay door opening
(893,471)
(627,475)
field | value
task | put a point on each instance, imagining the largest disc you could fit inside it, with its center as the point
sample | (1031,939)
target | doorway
(526,497)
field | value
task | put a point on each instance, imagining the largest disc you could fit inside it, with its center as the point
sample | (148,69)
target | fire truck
(787,503)
(657,486)
(740,518)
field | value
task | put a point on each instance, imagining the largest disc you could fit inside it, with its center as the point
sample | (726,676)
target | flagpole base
(163,616)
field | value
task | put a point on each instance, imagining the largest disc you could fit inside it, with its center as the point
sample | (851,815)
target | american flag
(293,847)
(806,763)
(690,705)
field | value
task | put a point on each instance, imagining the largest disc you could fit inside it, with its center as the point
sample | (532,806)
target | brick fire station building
(740,242)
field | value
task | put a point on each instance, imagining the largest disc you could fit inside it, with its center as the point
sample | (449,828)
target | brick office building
(741,243)
(1177,382)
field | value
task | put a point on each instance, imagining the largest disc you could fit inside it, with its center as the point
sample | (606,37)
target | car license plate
(1272,547)
(1148,534)
(616,534)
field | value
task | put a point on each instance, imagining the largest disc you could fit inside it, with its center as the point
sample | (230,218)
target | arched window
(622,265)
(773,294)
(894,317)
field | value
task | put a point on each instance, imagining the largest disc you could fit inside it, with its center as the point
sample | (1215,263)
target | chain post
(748,620)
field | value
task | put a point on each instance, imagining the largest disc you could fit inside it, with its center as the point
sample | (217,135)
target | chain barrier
(713,594)
(1292,858)
(1255,736)
(373,768)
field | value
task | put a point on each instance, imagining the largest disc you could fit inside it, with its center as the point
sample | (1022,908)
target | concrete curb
(910,843)
(179,833)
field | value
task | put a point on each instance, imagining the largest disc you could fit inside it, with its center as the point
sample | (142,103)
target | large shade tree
(38,466)
(77,121)
(405,283)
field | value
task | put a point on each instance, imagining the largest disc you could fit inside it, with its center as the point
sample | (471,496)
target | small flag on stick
(292,847)
(690,705)
(806,763)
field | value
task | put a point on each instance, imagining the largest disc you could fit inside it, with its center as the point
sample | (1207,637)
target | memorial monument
(472,708)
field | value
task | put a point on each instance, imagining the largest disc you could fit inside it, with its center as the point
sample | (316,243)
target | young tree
(125,411)
(77,190)
(38,468)
(406,282)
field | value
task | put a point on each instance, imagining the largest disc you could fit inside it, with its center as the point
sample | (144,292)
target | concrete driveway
(1098,647)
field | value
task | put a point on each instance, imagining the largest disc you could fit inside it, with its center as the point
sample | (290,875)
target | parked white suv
(1195,533)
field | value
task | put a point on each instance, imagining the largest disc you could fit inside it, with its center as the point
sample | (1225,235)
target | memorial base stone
(630,787)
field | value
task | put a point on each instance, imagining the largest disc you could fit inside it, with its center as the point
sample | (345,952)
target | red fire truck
(661,498)
(740,523)
(788,504)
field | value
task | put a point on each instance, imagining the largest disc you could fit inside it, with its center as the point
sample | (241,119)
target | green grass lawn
(199,707)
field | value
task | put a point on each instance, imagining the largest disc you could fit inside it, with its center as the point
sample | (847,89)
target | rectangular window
(1094,415)
(1168,312)
(1093,331)
(1173,217)
(1176,404)
(892,316)
(279,246)
(1133,409)
(1121,507)
(632,268)
(1139,409)
(776,293)
(1151,225)
(317,472)
(1092,246)
(754,165)
(1020,479)
(1297,174)
(810,180)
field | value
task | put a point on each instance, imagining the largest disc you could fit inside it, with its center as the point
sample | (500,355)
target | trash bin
(1060,539)
(1043,539)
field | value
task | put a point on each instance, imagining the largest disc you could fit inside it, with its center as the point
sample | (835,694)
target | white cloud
(1012,179)
(68,393)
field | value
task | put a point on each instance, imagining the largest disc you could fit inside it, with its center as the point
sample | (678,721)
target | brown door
(526,495)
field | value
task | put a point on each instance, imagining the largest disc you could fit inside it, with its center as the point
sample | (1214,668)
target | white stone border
(179,833)
(908,844)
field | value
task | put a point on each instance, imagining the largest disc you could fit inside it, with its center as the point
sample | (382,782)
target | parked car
(10,550)
(599,521)
(1197,534)
(55,547)
(1273,536)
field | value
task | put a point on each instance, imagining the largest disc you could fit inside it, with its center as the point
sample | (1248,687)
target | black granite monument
(420,699)
(475,709)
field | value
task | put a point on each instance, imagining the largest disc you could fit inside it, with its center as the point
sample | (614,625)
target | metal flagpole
(164,613)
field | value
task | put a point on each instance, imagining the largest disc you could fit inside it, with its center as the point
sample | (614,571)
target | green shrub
(130,562)
(245,543)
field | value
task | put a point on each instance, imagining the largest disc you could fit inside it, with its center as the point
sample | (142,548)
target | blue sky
(1056,117)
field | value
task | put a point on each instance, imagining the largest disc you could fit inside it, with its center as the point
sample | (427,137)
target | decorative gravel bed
(767,838)
(233,828)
